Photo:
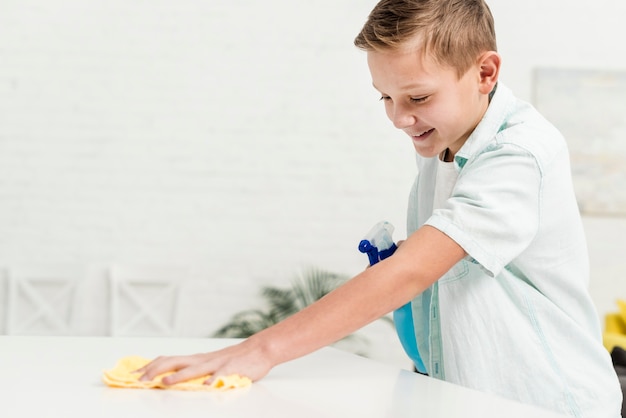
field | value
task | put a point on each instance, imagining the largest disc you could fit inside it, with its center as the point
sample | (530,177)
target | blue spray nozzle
(372,252)
(378,243)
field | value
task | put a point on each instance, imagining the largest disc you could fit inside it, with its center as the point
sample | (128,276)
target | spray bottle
(378,244)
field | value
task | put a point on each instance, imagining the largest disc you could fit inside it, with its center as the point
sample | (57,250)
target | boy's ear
(489,65)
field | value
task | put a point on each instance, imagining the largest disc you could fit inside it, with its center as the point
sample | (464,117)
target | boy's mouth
(422,135)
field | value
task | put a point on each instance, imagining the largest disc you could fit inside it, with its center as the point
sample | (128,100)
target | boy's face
(429,102)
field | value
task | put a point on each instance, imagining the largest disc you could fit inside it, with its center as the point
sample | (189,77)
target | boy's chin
(426,153)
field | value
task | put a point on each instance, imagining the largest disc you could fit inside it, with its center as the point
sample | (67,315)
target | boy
(495,263)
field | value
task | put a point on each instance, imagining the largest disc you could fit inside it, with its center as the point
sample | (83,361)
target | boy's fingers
(161,365)
(186,373)
(211,379)
(149,365)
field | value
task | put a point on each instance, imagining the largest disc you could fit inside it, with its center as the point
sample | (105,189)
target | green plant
(281,303)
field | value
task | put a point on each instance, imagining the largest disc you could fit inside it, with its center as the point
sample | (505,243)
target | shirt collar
(493,121)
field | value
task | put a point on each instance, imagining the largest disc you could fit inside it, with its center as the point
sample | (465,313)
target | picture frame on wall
(589,107)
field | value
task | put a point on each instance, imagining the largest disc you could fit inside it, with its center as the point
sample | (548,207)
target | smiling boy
(495,262)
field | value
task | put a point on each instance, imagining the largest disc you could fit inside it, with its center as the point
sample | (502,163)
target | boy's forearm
(341,312)
(373,293)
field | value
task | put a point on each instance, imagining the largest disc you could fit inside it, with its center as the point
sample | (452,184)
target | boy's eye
(412,99)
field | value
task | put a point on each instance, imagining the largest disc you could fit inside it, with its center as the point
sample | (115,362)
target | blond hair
(453,32)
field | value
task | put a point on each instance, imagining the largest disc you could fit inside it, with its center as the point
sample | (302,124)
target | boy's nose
(401,118)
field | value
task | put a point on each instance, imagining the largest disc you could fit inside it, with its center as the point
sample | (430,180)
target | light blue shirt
(514,318)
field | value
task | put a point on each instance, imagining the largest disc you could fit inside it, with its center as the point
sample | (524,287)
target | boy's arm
(422,258)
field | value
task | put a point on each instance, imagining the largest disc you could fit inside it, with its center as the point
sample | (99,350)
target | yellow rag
(123,375)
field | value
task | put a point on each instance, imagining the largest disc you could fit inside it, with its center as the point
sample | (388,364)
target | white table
(60,377)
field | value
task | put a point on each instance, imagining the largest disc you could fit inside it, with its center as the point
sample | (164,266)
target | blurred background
(211,149)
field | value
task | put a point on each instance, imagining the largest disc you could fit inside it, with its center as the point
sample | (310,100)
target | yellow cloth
(123,375)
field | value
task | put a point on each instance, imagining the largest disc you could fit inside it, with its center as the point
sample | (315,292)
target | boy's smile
(428,101)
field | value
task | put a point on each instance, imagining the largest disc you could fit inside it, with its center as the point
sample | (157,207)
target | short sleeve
(494,210)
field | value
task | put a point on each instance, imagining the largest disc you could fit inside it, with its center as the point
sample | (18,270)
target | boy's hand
(398,244)
(242,359)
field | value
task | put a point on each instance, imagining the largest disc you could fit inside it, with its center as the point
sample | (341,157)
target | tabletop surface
(60,376)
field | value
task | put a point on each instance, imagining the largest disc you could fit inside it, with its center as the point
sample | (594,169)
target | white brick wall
(241,138)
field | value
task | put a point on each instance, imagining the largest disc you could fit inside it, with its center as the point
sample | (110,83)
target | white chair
(144,301)
(41,300)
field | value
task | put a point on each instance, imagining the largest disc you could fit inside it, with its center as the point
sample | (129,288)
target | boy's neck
(446,156)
